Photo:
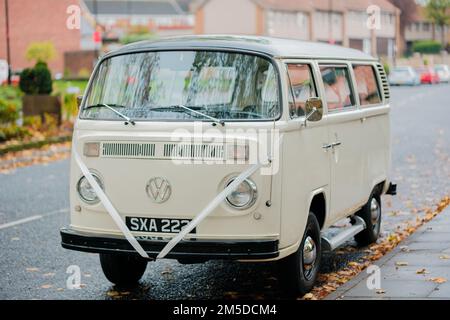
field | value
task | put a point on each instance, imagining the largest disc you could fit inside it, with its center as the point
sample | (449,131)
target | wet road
(34,205)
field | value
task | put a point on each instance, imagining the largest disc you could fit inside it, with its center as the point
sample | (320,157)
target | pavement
(419,268)
(34,205)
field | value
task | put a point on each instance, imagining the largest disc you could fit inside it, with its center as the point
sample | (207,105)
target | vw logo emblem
(158,189)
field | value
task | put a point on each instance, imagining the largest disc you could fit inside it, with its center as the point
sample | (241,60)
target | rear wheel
(123,270)
(371,214)
(299,271)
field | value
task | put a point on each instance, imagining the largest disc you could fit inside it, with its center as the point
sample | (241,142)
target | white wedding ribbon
(208,209)
(188,228)
(108,205)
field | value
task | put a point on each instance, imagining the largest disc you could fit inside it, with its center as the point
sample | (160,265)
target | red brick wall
(36,21)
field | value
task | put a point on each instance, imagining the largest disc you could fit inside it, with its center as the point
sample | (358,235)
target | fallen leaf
(422,271)
(50,274)
(444,257)
(15,239)
(46,286)
(308,296)
(380,291)
(60,289)
(112,293)
(32,269)
(438,280)
(401,263)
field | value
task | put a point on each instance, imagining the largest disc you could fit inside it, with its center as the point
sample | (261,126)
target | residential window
(336,80)
(301,88)
(426,26)
(367,85)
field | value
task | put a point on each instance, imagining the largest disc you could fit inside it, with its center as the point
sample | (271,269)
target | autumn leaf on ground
(309,296)
(438,280)
(32,269)
(46,286)
(444,257)
(401,264)
(50,274)
(422,271)
(112,293)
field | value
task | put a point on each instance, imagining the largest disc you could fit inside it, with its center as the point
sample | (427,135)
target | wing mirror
(314,110)
(79,99)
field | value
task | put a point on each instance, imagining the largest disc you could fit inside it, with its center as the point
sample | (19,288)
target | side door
(344,144)
(309,172)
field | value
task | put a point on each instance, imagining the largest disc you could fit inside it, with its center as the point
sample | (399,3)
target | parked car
(163,157)
(404,76)
(443,72)
(428,75)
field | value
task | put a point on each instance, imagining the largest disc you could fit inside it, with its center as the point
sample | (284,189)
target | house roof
(309,5)
(274,47)
(138,7)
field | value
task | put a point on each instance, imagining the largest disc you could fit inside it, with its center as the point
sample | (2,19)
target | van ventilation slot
(384,81)
(193,151)
(128,150)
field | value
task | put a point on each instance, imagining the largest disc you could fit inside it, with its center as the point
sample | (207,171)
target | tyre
(298,272)
(123,270)
(371,214)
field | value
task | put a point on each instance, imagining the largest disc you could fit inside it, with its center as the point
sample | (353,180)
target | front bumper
(198,249)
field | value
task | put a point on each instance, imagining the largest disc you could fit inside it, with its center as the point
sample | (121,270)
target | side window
(338,92)
(302,88)
(366,82)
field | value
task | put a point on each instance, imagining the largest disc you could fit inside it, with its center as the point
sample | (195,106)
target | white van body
(330,167)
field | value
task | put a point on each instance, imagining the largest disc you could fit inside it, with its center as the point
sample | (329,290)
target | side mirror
(314,109)
(79,99)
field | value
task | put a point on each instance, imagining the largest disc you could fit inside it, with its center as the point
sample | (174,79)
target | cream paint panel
(193,186)
(305,169)
(220,19)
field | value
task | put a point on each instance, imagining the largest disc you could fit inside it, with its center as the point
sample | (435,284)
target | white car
(443,72)
(228,147)
(404,76)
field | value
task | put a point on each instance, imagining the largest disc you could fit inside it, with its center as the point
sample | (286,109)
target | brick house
(337,21)
(37,21)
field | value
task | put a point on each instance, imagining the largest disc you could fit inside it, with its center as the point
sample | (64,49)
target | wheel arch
(318,205)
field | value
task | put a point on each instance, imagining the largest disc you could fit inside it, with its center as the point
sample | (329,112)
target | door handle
(327,146)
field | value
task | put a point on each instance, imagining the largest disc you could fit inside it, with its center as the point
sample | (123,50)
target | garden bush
(427,47)
(37,80)
(9,111)
(13,132)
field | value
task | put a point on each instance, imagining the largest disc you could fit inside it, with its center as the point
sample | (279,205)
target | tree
(438,12)
(40,52)
(408,13)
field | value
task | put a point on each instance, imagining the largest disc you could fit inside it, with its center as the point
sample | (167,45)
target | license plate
(158,225)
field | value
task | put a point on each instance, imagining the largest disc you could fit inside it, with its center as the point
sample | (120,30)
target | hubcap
(374,213)
(309,255)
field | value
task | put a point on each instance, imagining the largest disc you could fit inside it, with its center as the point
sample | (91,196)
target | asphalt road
(34,205)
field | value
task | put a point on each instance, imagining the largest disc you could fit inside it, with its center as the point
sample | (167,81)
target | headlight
(244,196)
(85,190)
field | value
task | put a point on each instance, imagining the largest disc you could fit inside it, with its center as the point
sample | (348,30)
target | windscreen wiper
(191,110)
(112,107)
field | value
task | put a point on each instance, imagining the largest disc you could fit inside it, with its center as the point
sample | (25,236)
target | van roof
(274,47)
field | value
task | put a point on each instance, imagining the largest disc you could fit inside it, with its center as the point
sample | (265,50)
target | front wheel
(299,271)
(124,270)
(371,214)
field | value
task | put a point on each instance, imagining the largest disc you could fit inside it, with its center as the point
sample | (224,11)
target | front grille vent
(128,150)
(384,81)
(193,151)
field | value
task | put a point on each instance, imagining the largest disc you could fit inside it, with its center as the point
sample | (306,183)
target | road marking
(32,218)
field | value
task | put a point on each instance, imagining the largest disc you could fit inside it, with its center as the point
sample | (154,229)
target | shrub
(37,80)
(427,46)
(40,51)
(13,132)
(9,111)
